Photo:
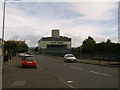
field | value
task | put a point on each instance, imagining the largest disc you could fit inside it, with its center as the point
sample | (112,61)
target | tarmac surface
(14,76)
(94,62)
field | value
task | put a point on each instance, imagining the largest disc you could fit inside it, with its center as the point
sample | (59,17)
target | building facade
(54,45)
(19,42)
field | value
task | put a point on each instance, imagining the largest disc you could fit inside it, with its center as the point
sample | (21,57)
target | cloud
(96,11)
(30,39)
(76,40)
(31,21)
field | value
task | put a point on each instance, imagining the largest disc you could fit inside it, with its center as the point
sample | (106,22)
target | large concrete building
(54,45)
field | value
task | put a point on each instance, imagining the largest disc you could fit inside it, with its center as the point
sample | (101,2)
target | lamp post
(3,28)
(3,23)
(2,56)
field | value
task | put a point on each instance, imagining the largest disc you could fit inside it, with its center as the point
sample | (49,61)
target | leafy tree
(88,45)
(107,46)
(108,41)
(22,48)
(10,47)
(36,49)
(100,47)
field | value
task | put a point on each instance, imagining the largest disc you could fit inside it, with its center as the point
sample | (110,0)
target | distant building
(54,45)
(20,42)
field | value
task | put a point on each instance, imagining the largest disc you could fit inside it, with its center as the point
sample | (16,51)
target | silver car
(69,58)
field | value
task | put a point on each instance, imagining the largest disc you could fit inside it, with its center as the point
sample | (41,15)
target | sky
(30,21)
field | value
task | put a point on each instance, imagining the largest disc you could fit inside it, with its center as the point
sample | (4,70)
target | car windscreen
(70,55)
(29,58)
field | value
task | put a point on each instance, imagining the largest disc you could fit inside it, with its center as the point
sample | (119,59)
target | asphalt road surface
(14,76)
(80,75)
(52,72)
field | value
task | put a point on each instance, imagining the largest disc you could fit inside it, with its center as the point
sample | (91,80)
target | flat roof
(55,39)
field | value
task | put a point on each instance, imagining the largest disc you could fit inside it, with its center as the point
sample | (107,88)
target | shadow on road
(25,67)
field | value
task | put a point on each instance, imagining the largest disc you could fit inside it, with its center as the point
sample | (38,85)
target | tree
(21,48)
(10,47)
(36,49)
(108,41)
(107,46)
(88,45)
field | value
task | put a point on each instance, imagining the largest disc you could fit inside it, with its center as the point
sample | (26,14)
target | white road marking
(19,83)
(69,82)
(76,68)
(65,83)
(39,67)
(100,73)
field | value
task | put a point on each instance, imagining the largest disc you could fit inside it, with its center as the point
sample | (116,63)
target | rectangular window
(56,46)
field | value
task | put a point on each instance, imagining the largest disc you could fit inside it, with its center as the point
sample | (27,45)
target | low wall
(58,52)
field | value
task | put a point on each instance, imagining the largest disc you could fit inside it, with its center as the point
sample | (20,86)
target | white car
(23,54)
(69,58)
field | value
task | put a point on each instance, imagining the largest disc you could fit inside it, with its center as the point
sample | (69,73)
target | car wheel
(35,67)
(22,66)
(65,60)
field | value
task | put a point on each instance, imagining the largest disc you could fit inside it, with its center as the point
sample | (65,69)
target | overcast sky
(77,20)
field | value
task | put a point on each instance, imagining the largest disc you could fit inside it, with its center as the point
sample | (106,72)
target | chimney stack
(55,33)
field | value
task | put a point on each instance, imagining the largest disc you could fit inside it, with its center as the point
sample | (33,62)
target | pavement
(16,77)
(1,59)
(98,62)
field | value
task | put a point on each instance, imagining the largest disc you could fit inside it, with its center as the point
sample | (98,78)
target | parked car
(29,54)
(23,54)
(69,58)
(29,61)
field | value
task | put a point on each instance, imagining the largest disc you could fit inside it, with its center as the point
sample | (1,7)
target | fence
(110,57)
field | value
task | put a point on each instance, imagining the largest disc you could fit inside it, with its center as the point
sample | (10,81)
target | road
(14,76)
(82,75)
(72,75)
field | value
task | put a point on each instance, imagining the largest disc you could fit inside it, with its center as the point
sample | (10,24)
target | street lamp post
(3,23)
(2,56)
(3,28)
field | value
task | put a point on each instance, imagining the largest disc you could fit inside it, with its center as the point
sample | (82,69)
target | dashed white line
(19,83)
(76,68)
(100,73)
(69,81)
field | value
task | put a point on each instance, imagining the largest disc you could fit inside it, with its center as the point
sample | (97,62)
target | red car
(29,62)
